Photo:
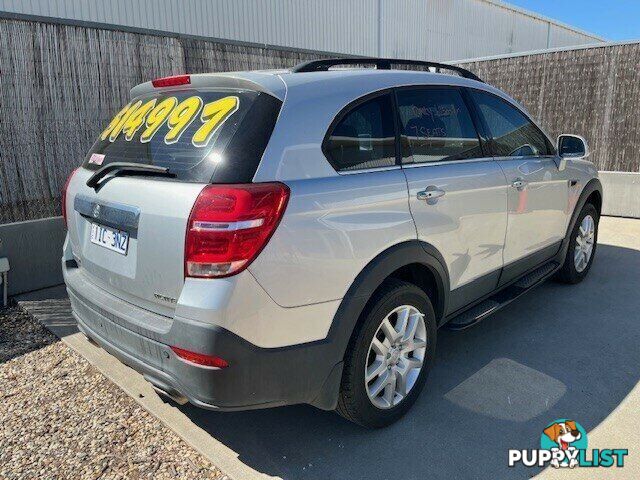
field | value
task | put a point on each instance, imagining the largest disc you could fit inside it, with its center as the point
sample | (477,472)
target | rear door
(457,194)
(128,233)
(538,192)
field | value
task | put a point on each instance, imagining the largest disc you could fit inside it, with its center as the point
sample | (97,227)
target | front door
(457,195)
(538,192)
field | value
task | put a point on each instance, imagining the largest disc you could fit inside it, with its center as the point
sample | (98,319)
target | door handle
(519,183)
(430,193)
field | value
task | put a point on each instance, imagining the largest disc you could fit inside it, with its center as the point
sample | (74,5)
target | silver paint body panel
(333,227)
(538,213)
(467,225)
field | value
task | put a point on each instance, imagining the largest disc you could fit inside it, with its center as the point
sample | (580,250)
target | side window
(513,133)
(436,125)
(364,137)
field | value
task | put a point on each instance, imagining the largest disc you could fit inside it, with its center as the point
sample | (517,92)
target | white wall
(621,194)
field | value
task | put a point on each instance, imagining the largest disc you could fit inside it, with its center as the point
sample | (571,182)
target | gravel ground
(60,418)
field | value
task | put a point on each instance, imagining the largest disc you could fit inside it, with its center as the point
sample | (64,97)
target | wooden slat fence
(594,92)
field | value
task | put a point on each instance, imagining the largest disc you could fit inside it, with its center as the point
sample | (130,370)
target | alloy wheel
(395,357)
(584,243)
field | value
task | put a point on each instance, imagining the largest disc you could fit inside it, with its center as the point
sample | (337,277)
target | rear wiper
(128,167)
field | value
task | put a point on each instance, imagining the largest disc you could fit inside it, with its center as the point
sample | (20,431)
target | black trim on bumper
(256,377)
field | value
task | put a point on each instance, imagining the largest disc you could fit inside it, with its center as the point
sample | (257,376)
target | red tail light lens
(171,81)
(63,200)
(200,358)
(229,226)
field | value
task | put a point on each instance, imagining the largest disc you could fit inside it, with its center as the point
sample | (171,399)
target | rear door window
(436,125)
(364,137)
(514,135)
(199,135)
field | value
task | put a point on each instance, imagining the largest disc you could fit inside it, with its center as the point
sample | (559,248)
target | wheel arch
(414,261)
(591,193)
(595,198)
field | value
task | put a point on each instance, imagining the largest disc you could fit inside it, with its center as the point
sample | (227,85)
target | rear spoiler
(256,81)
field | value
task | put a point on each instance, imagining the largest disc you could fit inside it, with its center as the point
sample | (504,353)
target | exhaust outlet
(166,391)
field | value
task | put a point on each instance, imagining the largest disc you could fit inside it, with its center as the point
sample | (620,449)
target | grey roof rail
(380,64)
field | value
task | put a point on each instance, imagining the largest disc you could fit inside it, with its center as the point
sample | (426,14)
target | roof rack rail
(380,63)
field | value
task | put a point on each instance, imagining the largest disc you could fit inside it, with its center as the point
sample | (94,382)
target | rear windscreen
(199,135)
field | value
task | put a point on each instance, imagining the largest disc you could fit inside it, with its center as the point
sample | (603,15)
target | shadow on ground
(558,352)
(20,334)
(51,308)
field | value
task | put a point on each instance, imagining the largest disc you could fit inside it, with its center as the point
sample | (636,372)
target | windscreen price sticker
(151,115)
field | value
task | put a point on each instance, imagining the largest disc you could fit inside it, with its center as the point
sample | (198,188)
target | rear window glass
(199,135)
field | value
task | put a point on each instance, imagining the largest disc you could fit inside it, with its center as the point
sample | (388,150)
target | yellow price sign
(157,117)
(151,115)
(181,117)
(114,121)
(213,115)
(136,119)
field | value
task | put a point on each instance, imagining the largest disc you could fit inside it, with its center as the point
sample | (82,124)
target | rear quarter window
(204,136)
(363,137)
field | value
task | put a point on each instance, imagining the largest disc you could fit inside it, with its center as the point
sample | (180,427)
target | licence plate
(115,240)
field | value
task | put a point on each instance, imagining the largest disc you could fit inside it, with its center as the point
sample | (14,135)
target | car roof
(357,82)
(264,79)
(386,77)
(346,75)
(353,82)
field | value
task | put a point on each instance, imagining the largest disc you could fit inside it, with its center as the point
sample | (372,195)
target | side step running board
(494,303)
(531,279)
(473,315)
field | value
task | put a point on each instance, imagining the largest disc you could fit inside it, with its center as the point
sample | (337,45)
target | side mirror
(571,146)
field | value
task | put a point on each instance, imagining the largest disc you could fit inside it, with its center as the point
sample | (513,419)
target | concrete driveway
(557,352)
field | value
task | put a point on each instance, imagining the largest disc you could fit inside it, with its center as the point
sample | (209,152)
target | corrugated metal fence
(419,29)
(594,92)
(59,85)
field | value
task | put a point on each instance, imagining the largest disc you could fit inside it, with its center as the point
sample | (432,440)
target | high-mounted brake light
(229,226)
(63,200)
(171,81)
(200,358)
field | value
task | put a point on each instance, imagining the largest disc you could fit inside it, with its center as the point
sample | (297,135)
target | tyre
(582,247)
(389,356)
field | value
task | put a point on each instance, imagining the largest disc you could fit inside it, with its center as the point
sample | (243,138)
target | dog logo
(565,436)
(563,443)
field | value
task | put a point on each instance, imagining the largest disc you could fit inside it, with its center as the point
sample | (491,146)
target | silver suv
(254,239)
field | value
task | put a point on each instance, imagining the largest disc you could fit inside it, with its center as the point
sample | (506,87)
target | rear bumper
(255,378)
(165,381)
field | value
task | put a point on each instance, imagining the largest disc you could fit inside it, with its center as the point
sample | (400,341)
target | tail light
(229,225)
(200,358)
(63,201)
